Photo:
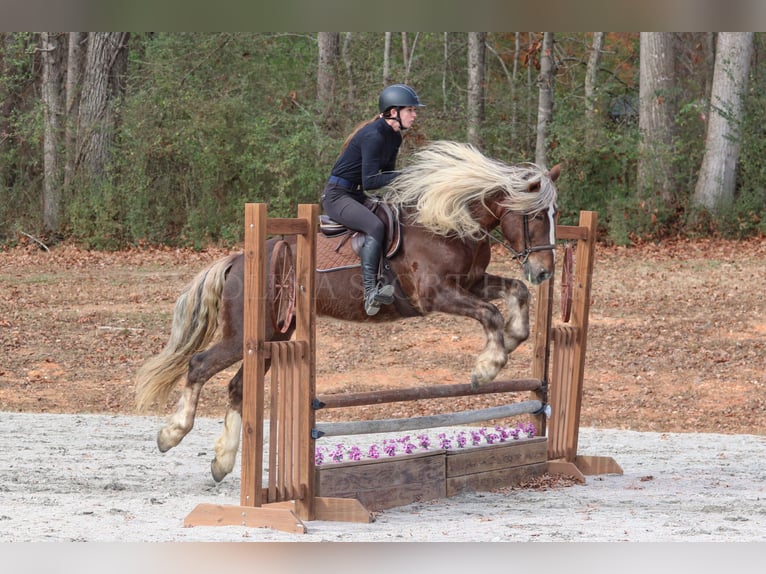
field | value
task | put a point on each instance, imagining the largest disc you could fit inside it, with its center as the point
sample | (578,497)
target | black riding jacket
(369,160)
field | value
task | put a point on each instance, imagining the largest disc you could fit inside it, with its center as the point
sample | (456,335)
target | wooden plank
(580,317)
(430,392)
(571,232)
(253,361)
(385,483)
(282,519)
(429,421)
(334,509)
(287,226)
(563,466)
(497,456)
(305,332)
(590,465)
(493,479)
(562,392)
(341,510)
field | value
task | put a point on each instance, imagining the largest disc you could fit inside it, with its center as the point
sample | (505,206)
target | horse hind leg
(182,420)
(202,366)
(227,445)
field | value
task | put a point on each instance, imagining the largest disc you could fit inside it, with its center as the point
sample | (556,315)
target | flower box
(396,481)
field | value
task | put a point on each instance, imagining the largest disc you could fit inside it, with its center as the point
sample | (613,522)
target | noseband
(523,255)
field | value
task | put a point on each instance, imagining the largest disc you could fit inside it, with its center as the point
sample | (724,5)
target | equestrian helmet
(398,96)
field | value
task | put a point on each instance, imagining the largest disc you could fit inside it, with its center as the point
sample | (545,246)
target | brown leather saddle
(387,213)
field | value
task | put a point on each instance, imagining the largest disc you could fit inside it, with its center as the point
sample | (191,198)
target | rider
(367,161)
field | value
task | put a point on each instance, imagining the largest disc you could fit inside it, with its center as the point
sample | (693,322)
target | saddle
(344,254)
(387,213)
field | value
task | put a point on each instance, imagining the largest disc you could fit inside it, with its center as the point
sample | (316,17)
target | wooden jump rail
(420,393)
(428,421)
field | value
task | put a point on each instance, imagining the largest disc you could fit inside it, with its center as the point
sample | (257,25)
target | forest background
(113,139)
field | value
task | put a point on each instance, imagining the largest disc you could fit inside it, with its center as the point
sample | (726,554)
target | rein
(523,255)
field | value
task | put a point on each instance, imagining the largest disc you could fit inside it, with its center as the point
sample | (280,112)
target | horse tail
(195,323)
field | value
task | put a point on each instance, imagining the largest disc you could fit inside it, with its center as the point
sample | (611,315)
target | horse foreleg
(227,445)
(515,294)
(494,356)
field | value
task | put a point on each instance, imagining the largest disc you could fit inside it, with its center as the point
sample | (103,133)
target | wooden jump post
(289,497)
(559,358)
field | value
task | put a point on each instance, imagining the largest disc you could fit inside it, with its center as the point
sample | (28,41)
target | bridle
(523,255)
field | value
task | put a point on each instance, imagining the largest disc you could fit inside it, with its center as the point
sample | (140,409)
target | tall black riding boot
(375,295)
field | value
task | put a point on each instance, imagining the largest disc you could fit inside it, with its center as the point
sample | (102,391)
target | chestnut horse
(450,200)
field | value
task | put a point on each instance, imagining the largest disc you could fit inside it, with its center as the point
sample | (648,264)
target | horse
(449,200)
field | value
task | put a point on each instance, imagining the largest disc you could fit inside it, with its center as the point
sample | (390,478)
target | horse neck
(486,215)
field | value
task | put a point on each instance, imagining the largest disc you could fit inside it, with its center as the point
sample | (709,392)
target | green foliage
(21,128)
(599,170)
(210,121)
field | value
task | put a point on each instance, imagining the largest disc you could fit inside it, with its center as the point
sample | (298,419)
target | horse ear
(555,172)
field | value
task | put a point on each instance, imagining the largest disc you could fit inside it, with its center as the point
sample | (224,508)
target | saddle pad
(334,253)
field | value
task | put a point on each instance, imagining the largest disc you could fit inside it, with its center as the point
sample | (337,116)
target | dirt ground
(677,337)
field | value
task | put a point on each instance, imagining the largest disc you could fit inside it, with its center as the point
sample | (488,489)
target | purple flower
(355,453)
(444,442)
(424,441)
(373,451)
(461,439)
(390,448)
(409,448)
(475,437)
(318,456)
(337,454)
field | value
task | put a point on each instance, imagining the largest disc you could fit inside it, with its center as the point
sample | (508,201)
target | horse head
(531,237)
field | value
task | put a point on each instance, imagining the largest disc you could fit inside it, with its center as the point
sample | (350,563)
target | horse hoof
(218,473)
(162,443)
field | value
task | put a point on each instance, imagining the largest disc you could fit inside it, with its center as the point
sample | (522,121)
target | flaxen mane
(447,179)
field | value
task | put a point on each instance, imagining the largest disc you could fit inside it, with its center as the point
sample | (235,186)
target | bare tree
(657,110)
(75,69)
(732,65)
(349,64)
(476,84)
(103,83)
(52,48)
(329,43)
(591,78)
(445,71)
(545,107)
(387,59)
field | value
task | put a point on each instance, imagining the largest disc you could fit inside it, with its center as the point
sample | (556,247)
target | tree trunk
(349,64)
(405,54)
(74,74)
(545,107)
(387,59)
(52,58)
(716,182)
(657,110)
(105,64)
(475,104)
(591,77)
(329,43)
(445,71)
